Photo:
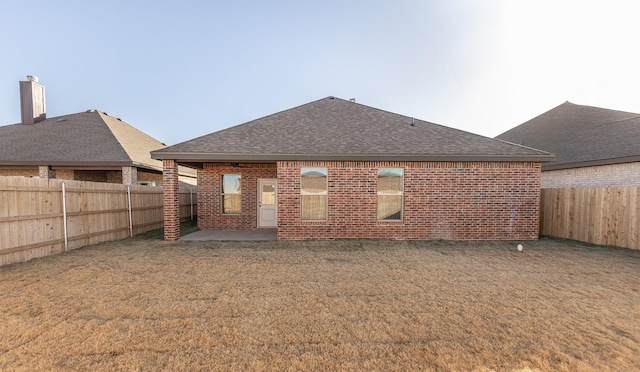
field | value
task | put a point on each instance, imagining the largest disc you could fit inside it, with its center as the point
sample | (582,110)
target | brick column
(46,172)
(170,200)
(129,175)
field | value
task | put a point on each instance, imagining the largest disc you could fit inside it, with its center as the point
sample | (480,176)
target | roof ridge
(132,140)
(627,119)
(595,107)
(535,117)
(332,128)
(99,113)
(523,146)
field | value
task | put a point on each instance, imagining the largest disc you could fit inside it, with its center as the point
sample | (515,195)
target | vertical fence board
(634,231)
(31,221)
(599,215)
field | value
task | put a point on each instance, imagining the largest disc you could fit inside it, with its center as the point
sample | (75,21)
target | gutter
(84,164)
(240,157)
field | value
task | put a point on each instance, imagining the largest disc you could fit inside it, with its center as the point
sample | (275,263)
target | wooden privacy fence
(33,211)
(601,215)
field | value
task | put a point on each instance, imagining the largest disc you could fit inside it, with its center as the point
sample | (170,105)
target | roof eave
(147,166)
(82,164)
(592,163)
(243,157)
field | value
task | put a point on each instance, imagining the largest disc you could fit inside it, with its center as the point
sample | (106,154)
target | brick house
(85,146)
(594,147)
(338,169)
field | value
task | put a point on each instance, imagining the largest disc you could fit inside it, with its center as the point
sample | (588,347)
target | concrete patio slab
(241,235)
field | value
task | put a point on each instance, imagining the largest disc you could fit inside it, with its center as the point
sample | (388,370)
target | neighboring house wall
(90,175)
(20,172)
(111,176)
(144,176)
(114,176)
(210,195)
(442,200)
(626,174)
(65,174)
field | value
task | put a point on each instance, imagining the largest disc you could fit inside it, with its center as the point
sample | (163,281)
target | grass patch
(147,304)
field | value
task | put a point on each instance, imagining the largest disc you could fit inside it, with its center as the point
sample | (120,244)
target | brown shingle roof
(90,138)
(581,136)
(336,129)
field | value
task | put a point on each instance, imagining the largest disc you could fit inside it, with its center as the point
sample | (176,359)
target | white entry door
(267,203)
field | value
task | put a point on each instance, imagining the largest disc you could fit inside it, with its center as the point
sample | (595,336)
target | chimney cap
(32,78)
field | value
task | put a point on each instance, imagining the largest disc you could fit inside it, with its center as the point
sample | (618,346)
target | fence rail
(600,215)
(33,210)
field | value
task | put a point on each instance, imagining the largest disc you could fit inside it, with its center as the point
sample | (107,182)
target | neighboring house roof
(336,129)
(86,139)
(581,136)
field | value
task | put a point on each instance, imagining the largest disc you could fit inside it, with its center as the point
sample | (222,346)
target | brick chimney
(32,103)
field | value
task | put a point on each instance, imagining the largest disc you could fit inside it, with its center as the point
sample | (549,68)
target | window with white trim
(231,193)
(390,193)
(313,194)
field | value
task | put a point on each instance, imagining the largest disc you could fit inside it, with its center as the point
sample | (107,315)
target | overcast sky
(181,69)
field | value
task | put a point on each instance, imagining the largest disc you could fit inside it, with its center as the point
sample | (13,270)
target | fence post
(191,202)
(64,216)
(130,215)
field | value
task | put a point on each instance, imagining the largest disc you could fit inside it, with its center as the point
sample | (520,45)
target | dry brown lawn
(144,304)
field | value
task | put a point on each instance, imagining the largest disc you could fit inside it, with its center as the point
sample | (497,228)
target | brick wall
(109,176)
(442,200)
(170,200)
(146,176)
(210,201)
(86,175)
(20,172)
(65,174)
(614,175)
(114,176)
